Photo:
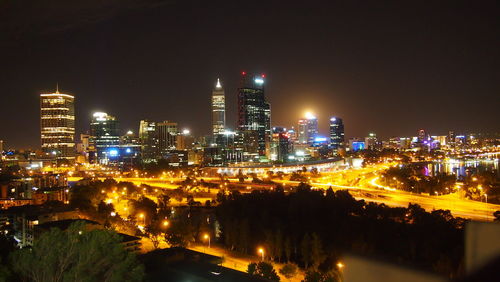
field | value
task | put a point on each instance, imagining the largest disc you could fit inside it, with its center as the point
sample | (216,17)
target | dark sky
(390,67)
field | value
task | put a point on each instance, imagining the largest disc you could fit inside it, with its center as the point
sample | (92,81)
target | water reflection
(462,168)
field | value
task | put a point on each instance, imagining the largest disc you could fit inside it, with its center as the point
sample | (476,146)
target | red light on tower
(243,73)
(263,76)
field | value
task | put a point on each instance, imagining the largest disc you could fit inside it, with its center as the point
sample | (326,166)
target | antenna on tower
(57,87)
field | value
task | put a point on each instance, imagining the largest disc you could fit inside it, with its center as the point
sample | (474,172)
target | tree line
(314,228)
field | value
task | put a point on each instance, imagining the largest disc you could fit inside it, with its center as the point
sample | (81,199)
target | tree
(145,205)
(264,270)
(316,276)
(5,274)
(278,244)
(163,202)
(317,254)
(105,209)
(154,232)
(289,270)
(77,254)
(179,234)
(306,250)
(252,268)
(288,248)
(497,215)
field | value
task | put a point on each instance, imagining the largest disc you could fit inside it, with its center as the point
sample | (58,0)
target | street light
(261,252)
(166,223)
(207,237)
(340,265)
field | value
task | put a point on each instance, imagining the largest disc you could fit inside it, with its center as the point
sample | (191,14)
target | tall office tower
(308,129)
(149,140)
(281,145)
(336,133)
(167,132)
(451,139)
(184,140)
(292,134)
(57,122)
(302,133)
(371,142)
(218,109)
(104,136)
(421,135)
(254,112)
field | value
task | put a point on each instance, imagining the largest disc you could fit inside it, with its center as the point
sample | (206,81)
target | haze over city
(390,69)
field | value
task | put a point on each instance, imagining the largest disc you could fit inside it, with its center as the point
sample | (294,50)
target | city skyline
(323,125)
(180,140)
(425,79)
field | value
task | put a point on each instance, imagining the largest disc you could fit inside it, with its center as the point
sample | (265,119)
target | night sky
(390,67)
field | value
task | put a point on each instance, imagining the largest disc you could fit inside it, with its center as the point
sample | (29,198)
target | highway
(363,185)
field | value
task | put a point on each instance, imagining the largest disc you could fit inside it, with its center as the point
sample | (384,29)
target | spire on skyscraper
(218,84)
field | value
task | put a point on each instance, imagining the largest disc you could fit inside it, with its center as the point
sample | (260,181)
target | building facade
(371,142)
(149,140)
(337,138)
(167,135)
(104,136)
(302,131)
(254,112)
(57,122)
(307,129)
(218,109)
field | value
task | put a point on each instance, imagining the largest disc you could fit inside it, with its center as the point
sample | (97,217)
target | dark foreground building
(179,264)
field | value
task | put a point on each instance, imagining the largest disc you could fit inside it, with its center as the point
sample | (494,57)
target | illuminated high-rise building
(312,128)
(57,122)
(149,140)
(254,112)
(336,133)
(104,136)
(421,135)
(451,138)
(281,145)
(371,141)
(308,129)
(218,109)
(292,134)
(302,133)
(167,132)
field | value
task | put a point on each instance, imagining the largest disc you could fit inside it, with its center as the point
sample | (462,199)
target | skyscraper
(57,124)
(281,145)
(421,135)
(308,129)
(312,128)
(218,109)
(254,112)
(104,136)
(149,140)
(302,133)
(336,133)
(167,132)
(371,141)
